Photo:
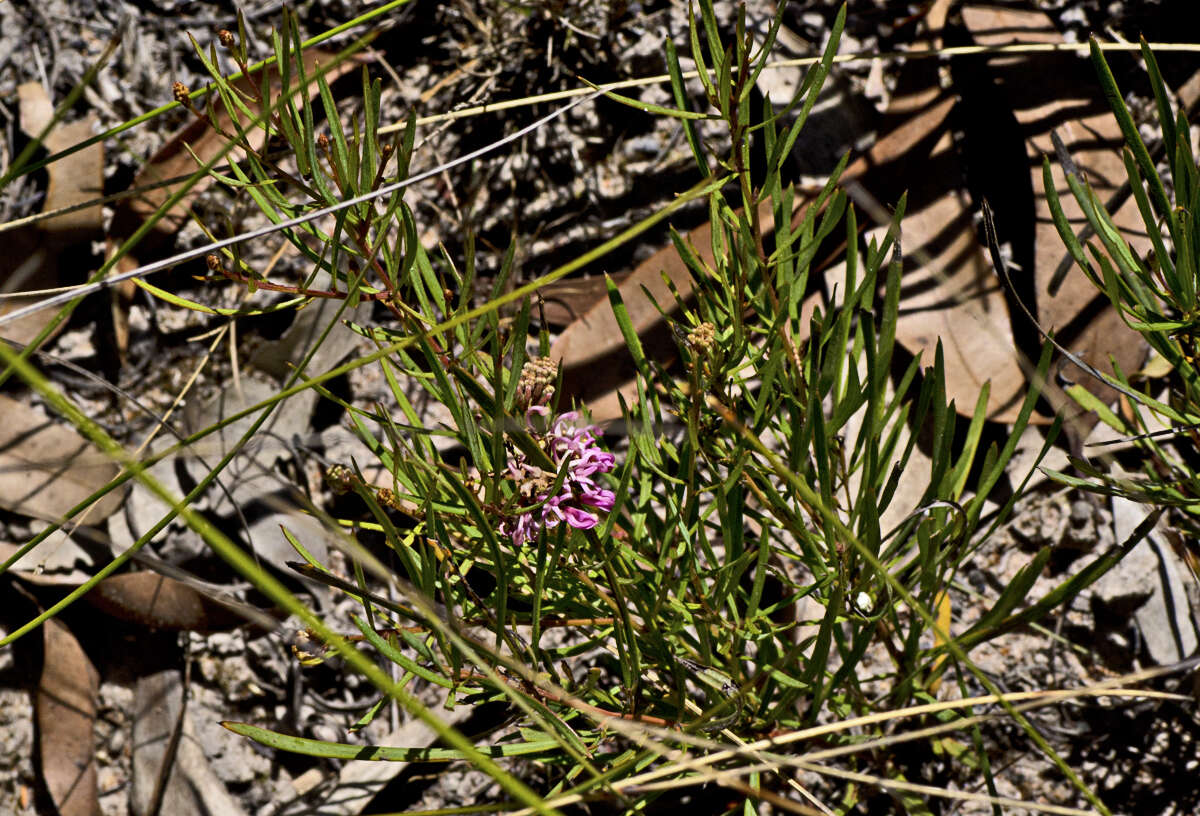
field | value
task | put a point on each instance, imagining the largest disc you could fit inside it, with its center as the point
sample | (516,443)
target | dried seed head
(225,37)
(701,338)
(386,151)
(181,93)
(388,499)
(323,142)
(213,261)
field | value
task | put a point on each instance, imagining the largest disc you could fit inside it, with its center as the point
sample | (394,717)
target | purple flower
(602,499)
(579,497)
(581,519)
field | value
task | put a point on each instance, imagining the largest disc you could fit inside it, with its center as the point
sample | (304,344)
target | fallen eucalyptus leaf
(192,788)
(176,160)
(32,253)
(1051,93)
(596,363)
(66,712)
(60,560)
(47,468)
(949,292)
(162,602)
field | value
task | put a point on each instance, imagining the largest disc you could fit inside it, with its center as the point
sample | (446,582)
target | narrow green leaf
(1165,118)
(632,341)
(681,103)
(1015,592)
(698,54)
(647,107)
(820,72)
(1129,128)
(381,753)
(1070,588)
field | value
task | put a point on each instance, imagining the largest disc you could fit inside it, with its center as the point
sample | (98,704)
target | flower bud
(341,479)
(536,384)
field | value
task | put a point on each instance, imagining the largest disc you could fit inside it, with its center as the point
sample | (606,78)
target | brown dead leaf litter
(164,678)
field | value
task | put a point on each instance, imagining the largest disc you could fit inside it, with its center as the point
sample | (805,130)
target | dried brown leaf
(175,159)
(160,602)
(191,786)
(565,301)
(1057,93)
(28,263)
(949,292)
(66,712)
(47,468)
(74,179)
(596,364)
(32,253)
(60,560)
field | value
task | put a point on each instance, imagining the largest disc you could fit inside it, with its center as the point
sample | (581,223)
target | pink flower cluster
(580,497)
